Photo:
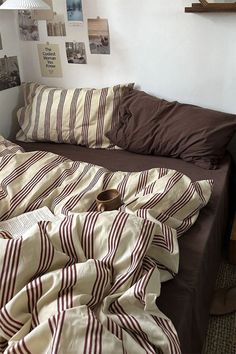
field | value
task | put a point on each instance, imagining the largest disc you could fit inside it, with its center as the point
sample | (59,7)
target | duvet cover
(84,281)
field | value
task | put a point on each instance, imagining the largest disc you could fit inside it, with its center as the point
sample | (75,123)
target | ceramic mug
(109,199)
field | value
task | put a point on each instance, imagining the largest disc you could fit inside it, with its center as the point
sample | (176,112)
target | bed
(103,132)
(186,298)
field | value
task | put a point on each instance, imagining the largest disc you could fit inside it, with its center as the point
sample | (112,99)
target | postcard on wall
(9,73)
(27,26)
(217,1)
(50,61)
(98,32)
(0,41)
(75,52)
(74,11)
(56,27)
(43,14)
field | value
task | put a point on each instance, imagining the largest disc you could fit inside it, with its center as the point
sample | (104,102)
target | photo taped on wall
(75,52)
(9,73)
(99,39)
(27,26)
(56,27)
(74,11)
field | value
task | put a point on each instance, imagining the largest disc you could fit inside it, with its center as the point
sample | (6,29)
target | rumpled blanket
(87,282)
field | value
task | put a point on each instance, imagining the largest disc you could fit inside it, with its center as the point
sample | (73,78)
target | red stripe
(178,205)
(137,255)
(5,235)
(173,341)
(47,115)
(101,117)
(73,115)
(69,188)
(17,172)
(100,283)
(36,203)
(87,234)
(57,333)
(40,175)
(74,200)
(87,339)
(9,270)
(114,238)
(5,161)
(66,238)
(130,323)
(85,124)
(36,117)
(46,250)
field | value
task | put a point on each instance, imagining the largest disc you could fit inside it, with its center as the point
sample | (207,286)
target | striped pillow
(72,116)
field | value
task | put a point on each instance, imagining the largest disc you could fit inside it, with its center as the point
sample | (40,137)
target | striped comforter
(87,282)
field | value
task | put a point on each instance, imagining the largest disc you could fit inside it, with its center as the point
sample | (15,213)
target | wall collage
(56,26)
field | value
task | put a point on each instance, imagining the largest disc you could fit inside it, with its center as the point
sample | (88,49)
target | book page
(20,224)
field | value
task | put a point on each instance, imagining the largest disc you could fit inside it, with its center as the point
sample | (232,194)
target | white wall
(178,56)
(9,99)
(188,57)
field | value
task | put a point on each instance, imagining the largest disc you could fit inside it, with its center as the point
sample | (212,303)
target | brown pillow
(149,125)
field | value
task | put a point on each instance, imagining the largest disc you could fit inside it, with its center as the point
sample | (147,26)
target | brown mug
(109,199)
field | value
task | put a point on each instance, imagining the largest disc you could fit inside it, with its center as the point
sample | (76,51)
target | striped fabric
(72,116)
(87,282)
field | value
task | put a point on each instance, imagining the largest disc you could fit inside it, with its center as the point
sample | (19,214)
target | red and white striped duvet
(87,282)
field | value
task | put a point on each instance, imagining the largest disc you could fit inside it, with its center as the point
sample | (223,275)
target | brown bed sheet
(185,299)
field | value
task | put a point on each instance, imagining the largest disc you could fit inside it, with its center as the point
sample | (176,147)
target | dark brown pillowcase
(149,125)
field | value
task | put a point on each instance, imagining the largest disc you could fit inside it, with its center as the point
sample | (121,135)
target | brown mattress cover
(185,299)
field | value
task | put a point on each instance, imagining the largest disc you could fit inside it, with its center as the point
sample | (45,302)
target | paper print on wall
(217,1)
(75,52)
(98,32)
(9,73)
(74,11)
(27,26)
(50,61)
(0,41)
(56,27)
(43,14)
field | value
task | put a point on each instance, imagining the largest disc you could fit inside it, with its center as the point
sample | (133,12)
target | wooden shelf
(196,7)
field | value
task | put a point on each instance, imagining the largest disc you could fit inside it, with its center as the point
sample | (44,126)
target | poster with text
(74,11)
(98,32)
(9,73)
(50,61)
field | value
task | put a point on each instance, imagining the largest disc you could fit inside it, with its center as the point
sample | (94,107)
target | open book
(20,224)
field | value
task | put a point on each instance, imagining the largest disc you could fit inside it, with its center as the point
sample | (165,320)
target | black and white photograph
(98,32)
(75,52)
(0,42)
(9,73)
(56,27)
(28,27)
(74,11)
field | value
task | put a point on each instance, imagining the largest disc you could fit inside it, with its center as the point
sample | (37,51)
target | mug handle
(101,207)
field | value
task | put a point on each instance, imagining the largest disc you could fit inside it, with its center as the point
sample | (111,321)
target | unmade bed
(186,298)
